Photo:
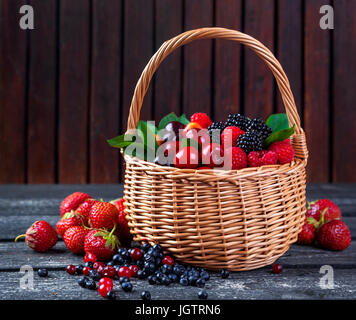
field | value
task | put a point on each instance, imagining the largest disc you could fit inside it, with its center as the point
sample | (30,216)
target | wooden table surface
(21,205)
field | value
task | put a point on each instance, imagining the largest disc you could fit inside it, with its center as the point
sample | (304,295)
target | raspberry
(269,157)
(284,150)
(230,135)
(201,118)
(260,158)
(236,158)
(254,159)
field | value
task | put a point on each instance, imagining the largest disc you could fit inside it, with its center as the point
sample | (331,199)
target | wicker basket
(238,220)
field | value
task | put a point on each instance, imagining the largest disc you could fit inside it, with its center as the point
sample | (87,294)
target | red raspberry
(230,135)
(260,158)
(284,150)
(269,157)
(201,118)
(254,159)
(235,158)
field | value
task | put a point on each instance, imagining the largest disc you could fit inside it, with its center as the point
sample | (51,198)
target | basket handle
(210,33)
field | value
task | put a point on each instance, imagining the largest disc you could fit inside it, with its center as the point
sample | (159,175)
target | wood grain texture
(42,82)
(258,88)
(289,49)
(317,93)
(197,90)
(167,82)
(227,61)
(73,91)
(13,61)
(105,90)
(344,97)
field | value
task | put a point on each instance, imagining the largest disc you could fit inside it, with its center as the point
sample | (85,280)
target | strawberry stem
(20,236)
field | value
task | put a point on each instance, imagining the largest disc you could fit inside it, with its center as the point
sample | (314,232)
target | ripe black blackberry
(238,120)
(260,126)
(213,128)
(250,141)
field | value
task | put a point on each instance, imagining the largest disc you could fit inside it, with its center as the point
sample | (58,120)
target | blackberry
(213,130)
(260,126)
(238,120)
(250,141)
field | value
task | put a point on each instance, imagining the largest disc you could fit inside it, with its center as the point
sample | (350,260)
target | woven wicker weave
(238,220)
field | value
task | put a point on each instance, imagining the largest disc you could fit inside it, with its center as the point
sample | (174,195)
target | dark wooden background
(66,86)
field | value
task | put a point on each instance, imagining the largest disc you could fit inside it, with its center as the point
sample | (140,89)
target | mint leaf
(278,136)
(183,119)
(121,141)
(168,118)
(278,121)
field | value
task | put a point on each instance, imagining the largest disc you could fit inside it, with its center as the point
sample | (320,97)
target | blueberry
(146,246)
(192,280)
(149,258)
(135,244)
(204,275)
(152,279)
(82,281)
(110,263)
(165,280)
(224,273)
(141,274)
(79,269)
(42,272)
(117,259)
(200,283)
(173,277)
(146,296)
(126,286)
(202,294)
(89,264)
(157,247)
(184,281)
(151,267)
(166,269)
(123,279)
(111,295)
(178,270)
(95,275)
(155,253)
(158,261)
(90,284)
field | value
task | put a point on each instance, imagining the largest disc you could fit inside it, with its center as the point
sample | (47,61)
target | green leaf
(278,121)
(166,119)
(148,131)
(186,142)
(278,136)
(140,151)
(183,119)
(121,141)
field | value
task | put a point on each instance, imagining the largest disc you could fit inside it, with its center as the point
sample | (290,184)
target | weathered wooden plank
(290,53)
(168,84)
(73,91)
(197,89)
(256,284)
(105,90)
(344,95)
(41,138)
(13,61)
(227,66)
(258,84)
(317,93)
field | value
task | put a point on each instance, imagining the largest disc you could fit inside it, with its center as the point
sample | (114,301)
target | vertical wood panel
(290,48)
(197,92)
(73,94)
(42,94)
(317,93)
(105,90)
(258,90)
(344,98)
(12,93)
(168,85)
(227,62)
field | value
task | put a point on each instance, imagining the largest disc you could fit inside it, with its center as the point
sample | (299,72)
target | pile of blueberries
(145,262)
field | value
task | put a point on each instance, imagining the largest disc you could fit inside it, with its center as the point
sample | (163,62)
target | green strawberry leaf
(278,136)
(278,121)
(121,141)
(166,119)
(183,119)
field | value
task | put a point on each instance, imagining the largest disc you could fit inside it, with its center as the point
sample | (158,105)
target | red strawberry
(123,230)
(84,209)
(324,209)
(230,135)
(103,215)
(334,235)
(40,237)
(73,201)
(284,151)
(201,118)
(74,238)
(308,233)
(101,243)
(235,158)
(70,219)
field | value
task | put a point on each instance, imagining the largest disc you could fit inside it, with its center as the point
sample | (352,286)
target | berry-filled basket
(238,219)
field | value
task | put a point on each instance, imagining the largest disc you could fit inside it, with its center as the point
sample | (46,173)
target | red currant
(71,269)
(86,271)
(89,257)
(104,290)
(168,260)
(134,269)
(108,271)
(107,282)
(277,268)
(124,272)
(98,264)
(136,254)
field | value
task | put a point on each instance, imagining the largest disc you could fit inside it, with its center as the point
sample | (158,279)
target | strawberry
(73,201)
(70,219)
(308,233)
(325,209)
(103,215)
(74,238)
(101,243)
(201,118)
(123,231)
(84,209)
(230,135)
(40,237)
(334,235)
